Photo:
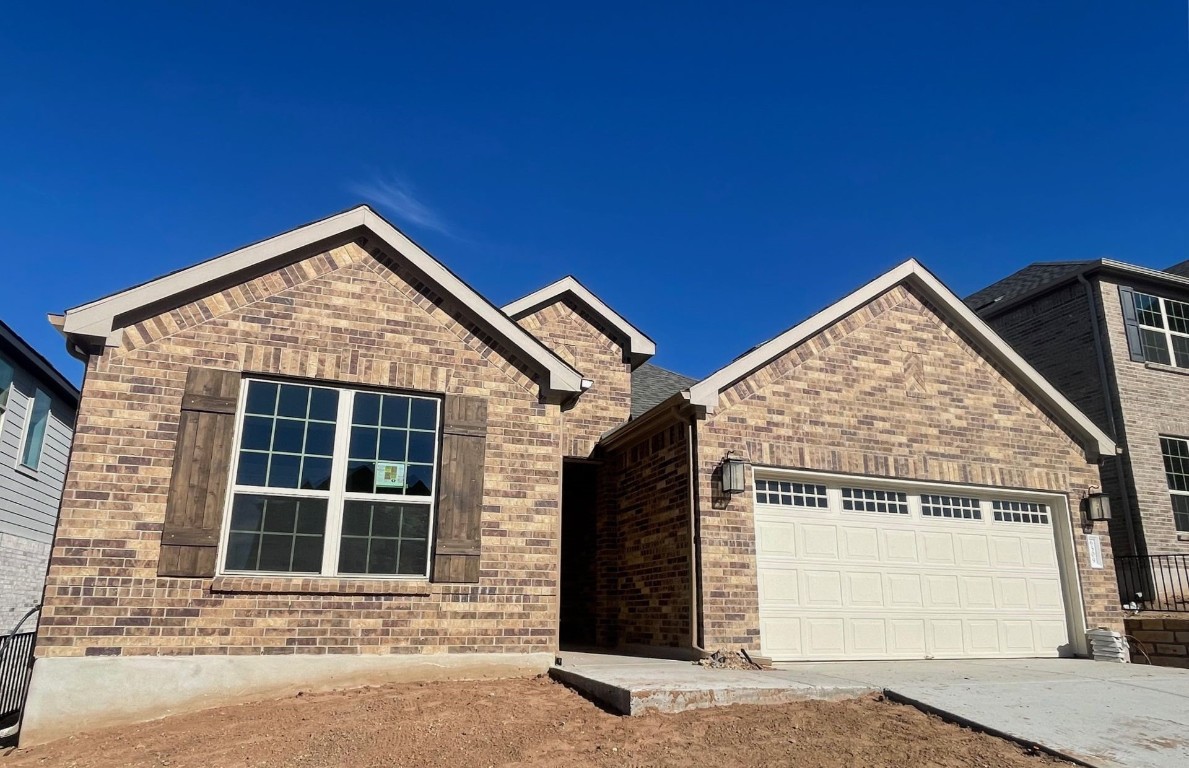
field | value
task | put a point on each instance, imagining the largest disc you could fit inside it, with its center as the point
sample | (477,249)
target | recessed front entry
(578,543)
(859,568)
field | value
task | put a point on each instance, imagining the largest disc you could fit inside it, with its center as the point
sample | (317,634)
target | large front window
(335,482)
(1163,329)
(1176,470)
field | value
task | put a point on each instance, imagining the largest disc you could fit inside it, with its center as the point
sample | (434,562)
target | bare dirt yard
(530,723)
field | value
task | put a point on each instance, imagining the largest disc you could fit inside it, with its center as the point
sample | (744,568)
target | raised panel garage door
(857,569)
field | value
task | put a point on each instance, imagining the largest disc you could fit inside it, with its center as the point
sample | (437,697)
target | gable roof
(636,342)
(1180,269)
(1094,441)
(1022,282)
(22,354)
(652,385)
(1040,278)
(102,321)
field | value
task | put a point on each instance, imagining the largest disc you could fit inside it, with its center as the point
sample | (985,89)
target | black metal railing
(15,653)
(1154,582)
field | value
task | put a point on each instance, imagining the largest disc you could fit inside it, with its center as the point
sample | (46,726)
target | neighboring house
(1114,338)
(37,407)
(325,460)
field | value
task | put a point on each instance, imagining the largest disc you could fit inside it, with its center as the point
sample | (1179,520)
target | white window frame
(4,404)
(1166,331)
(30,404)
(1171,490)
(337,496)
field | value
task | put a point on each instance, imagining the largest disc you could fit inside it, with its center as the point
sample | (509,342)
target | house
(1114,339)
(324,459)
(37,407)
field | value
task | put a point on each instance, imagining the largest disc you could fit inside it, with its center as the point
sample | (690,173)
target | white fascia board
(1096,442)
(639,345)
(96,319)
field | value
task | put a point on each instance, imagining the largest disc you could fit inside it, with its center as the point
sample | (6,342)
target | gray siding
(29,501)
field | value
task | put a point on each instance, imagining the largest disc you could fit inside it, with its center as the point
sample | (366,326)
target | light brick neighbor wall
(22,577)
(579,338)
(1153,401)
(341,316)
(891,391)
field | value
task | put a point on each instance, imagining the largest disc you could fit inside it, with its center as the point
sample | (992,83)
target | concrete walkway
(1097,713)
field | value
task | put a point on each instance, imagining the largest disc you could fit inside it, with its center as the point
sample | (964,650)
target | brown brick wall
(644,541)
(339,316)
(892,391)
(1153,401)
(580,339)
(1165,641)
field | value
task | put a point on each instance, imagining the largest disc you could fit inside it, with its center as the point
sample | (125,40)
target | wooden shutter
(201,471)
(1131,323)
(460,490)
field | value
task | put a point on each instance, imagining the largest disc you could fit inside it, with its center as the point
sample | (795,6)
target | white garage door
(855,569)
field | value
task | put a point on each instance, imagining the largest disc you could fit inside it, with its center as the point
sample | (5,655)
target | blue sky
(715,172)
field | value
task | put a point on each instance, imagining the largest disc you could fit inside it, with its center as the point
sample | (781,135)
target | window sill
(1183,537)
(1167,368)
(314,585)
(26,470)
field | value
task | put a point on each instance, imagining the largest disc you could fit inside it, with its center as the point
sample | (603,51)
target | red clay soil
(529,723)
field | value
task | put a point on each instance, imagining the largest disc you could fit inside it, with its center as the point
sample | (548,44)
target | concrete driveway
(1100,713)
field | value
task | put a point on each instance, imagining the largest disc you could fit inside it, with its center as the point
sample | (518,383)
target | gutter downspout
(696,638)
(1100,354)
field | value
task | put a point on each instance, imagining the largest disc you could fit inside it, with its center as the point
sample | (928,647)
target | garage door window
(1020,512)
(788,494)
(954,507)
(871,500)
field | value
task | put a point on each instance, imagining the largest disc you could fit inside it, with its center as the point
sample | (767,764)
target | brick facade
(644,575)
(582,340)
(1162,642)
(892,390)
(340,316)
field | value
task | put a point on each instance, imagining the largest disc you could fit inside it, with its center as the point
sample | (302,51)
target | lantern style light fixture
(1097,505)
(732,474)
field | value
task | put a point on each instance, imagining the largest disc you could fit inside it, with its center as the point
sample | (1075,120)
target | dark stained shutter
(201,471)
(460,491)
(1131,323)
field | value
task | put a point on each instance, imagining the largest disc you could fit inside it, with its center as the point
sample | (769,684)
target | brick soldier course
(891,387)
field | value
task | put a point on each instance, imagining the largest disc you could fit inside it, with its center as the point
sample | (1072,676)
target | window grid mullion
(338,484)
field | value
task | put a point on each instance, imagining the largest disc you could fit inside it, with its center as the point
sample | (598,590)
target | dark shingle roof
(1181,270)
(652,385)
(1017,284)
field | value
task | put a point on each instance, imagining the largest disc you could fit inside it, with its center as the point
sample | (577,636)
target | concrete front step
(635,686)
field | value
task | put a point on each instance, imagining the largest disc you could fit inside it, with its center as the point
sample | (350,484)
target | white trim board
(1094,441)
(639,346)
(97,320)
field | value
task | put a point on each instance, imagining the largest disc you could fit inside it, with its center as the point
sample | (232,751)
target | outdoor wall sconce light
(1097,505)
(732,474)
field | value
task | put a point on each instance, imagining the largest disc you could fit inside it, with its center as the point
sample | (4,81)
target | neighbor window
(333,482)
(1163,329)
(1176,469)
(37,416)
